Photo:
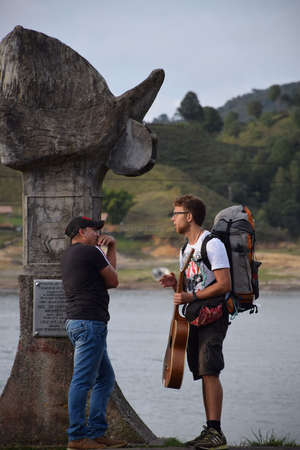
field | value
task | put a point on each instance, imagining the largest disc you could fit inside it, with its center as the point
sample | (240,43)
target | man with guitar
(204,350)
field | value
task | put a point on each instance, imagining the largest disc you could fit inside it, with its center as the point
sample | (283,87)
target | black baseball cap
(82,222)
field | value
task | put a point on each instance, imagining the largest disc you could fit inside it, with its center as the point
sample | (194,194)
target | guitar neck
(180,281)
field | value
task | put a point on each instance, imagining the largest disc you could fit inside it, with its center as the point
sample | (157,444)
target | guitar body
(174,360)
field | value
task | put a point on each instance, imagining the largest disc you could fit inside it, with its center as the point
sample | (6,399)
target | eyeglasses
(176,213)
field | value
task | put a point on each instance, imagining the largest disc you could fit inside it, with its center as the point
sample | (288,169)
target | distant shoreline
(264,287)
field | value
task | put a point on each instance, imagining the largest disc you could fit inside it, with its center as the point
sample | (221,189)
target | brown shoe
(85,444)
(112,443)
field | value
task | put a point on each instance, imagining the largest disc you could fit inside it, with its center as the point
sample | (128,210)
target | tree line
(265,177)
(191,110)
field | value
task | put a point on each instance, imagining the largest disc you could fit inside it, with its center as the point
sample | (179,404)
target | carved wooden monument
(63,129)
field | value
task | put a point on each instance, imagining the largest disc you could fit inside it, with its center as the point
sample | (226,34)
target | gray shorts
(205,344)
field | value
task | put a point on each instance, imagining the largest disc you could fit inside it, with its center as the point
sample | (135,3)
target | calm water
(261,378)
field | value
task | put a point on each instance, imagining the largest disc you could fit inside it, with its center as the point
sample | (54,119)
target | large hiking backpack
(234,226)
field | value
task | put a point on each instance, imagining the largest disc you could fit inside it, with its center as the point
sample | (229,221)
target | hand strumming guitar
(182,297)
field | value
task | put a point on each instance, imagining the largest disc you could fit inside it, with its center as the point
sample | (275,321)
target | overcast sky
(217,48)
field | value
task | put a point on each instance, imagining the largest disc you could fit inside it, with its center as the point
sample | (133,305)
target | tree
(267,119)
(286,98)
(212,120)
(190,108)
(162,118)
(255,108)
(230,117)
(232,125)
(274,92)
(296,116)
(282,208)
(281,152)
(116,204)
(296,97)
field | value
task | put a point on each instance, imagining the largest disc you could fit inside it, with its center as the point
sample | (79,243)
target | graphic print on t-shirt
(195,276)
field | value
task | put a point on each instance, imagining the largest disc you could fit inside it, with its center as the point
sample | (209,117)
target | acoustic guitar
(173,366)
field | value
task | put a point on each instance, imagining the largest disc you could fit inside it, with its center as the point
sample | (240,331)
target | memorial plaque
(48,308)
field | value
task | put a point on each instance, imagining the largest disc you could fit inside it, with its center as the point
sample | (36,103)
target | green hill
(154,193)
(202,157)
(239,104)
(258,166)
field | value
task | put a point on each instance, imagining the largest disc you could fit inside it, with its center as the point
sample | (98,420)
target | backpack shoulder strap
(204,256)
(184,247)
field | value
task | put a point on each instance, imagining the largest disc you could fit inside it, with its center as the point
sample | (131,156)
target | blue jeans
(92,370)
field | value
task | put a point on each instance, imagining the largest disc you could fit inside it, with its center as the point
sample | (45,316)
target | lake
(262,365)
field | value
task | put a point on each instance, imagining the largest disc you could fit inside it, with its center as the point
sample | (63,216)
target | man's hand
(182,297)
(106,240)
(169,281)
(110,243)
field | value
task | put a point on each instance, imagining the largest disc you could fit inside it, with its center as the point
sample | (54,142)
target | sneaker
(112,443)
(211,439)
(84,444)
(198,438)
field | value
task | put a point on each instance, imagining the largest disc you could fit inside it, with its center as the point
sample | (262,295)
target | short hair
(194,205)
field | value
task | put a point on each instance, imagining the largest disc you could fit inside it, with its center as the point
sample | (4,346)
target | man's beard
(183,229)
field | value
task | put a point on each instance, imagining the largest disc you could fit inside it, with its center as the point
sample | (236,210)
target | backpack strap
(182,251)
(184,247)
(204,256)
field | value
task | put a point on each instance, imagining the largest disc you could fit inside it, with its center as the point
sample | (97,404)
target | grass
(13,220)
(154,193)
(10,227)
(135,275)
(291,250)
(130,247)
(259,440)
(281,263)
(269,440)
(267,275)
(257,134)
(141,272)
(9,237)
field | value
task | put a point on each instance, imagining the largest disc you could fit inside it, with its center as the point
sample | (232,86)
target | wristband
(195,295)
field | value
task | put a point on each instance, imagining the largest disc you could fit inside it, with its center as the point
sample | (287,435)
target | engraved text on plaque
(48,308)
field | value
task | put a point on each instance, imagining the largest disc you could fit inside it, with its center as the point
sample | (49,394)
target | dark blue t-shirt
(86,295)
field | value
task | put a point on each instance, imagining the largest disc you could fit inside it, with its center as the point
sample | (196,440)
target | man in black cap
(87,274)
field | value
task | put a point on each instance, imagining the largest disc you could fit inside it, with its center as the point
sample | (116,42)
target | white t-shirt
(197,274)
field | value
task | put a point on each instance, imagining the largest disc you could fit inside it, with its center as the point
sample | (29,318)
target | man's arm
(110,276)
(221,286)
(109,273)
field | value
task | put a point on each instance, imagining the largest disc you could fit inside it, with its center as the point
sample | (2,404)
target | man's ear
(189,217)
(81,232)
